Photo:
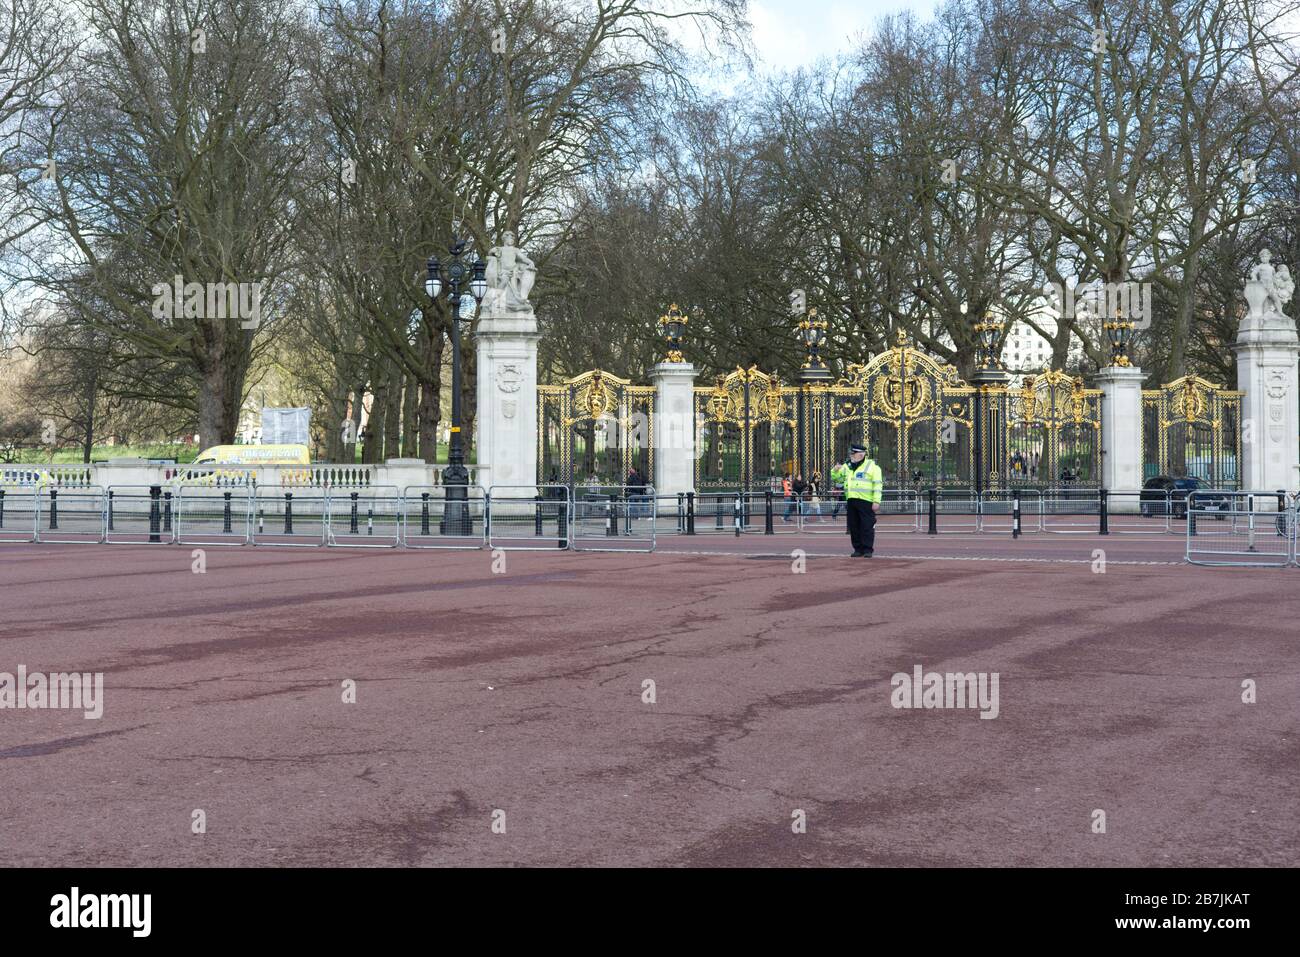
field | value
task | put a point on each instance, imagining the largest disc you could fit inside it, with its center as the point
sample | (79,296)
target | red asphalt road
(522,692)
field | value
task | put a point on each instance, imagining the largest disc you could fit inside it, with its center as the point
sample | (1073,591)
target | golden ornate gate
(1053,432)
(1191,428)
(745,431)
(593,429)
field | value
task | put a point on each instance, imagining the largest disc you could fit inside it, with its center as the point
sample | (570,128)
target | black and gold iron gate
(913,413)
(744,432)
(593,430)
(1052,426)
(1192,428)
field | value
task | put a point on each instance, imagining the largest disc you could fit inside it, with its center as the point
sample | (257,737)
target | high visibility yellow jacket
(864,480)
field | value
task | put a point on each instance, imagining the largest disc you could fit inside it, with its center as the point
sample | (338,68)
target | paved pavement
(522,692)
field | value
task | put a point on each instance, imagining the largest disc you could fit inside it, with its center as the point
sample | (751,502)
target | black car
(1163,493)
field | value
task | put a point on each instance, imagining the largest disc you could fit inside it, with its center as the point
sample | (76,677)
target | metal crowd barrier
(1251,529)
(1139,511)
(214,515)
(955,511)
(75,515)
(20,510)
(999,510)
(529,517)
(368,517)
(621,521)
(431,520)
(900,512)
(289,518)
(140,515)
(1072,511)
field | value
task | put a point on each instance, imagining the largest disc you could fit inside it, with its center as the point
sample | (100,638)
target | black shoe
(868,553)
(857,554)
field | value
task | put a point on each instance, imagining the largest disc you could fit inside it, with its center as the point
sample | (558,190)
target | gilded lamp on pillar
(1118,331)
(812,333)
(989,331)
(673,327)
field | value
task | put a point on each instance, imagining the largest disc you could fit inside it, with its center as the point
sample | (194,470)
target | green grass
(183,454)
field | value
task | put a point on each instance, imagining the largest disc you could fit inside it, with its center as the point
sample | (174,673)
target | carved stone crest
(509,376)
(1275,384)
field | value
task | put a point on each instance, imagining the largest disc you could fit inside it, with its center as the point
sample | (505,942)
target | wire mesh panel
(717,512)
(1072,511)
(214,515)
(289,517)
(956,511)
(72,515)
(623,522)
(998,510)
(369,517)
(140,515)
(1139,511)
(670,513)
(529,517)
(1251,531)
(431,520)
(19,510)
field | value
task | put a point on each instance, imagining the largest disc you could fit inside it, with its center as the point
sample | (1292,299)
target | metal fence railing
(285,518)
(214,515)
(1240,528)
(621,520)
(368,517)
(140,515)
(433,518)
(529,517)
(19,513)
(72,515)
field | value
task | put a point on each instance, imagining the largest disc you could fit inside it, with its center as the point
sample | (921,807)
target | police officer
(863,487)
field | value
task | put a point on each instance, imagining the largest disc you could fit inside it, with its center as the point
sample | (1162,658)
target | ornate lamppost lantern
(673,327)
(812,333)
(1118,331)
(988,332)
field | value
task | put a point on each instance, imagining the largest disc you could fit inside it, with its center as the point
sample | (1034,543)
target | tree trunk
(410,414)
(393,415)
(431,400)
(219,406)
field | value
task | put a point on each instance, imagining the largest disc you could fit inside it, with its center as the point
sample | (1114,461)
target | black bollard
(1103,509)
(54,509)
(1015,514)
(288,513)
(2,508)
(352,518)
(690,513)
(167,511)
(767,513)
(155,514)
(934,512)
(424,513)
(562,523)
(225,513)
(737,511)
(110,509)
(717,509)
(538,515)
(681,512)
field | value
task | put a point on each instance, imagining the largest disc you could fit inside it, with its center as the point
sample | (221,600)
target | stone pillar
(674,427)
(1268,351)
(1121,427)
(506,423)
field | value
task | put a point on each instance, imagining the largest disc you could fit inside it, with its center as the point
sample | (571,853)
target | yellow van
(248,456)
(254,455)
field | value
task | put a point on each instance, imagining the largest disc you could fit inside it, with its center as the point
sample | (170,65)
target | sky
(792,33)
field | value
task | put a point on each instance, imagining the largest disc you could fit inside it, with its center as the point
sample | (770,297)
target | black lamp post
(455,476)
(812,332)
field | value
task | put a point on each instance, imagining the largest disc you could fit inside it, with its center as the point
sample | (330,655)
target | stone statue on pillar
(510,275)
(507,335)
(1268,372)
(1268,289)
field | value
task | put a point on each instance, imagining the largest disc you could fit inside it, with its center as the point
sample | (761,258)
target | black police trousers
(862,524)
